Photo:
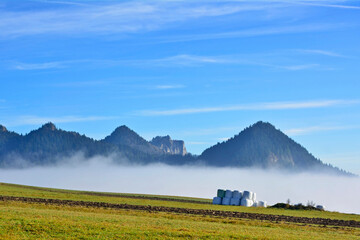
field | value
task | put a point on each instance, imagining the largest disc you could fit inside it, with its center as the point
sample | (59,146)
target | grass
(38,221)
(26,191)
(23,220)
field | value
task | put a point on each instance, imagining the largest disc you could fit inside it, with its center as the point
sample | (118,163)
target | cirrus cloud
(251,107)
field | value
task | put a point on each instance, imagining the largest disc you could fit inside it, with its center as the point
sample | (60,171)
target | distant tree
(311,204)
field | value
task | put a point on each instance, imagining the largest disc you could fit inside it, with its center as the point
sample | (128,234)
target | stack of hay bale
(236,198)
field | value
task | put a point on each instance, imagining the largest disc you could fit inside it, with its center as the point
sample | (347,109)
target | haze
(336,193)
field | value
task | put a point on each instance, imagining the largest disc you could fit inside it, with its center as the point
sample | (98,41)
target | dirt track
(203,212)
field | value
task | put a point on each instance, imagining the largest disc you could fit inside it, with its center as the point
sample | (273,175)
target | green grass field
(19,220)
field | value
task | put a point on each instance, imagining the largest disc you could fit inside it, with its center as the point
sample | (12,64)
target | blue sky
(200,71)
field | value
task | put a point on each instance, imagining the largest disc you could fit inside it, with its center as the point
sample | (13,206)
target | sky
(199,71)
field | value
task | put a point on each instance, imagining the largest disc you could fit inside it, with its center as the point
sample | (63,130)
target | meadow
(24,220)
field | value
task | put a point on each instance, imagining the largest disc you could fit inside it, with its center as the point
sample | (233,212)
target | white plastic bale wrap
(254,197)
(226,201)
(255,204)
(262,204)
(235,201)
(247,195)
(236,194)
(228,194)
(217,200)
(246,202)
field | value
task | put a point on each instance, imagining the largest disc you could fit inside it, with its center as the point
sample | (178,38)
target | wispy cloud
(320,52)
(178,60)
(61,64)
(38,66)
(327,4)
(253,32)
(37,120)
(251,107)
(110,17)
(164,87)
(186,60)
(61,2)
(79,84)
(312,129)
(298,67)
(182,60)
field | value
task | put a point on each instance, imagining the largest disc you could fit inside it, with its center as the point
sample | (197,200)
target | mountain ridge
(123,135)
(264,146)
(260,145)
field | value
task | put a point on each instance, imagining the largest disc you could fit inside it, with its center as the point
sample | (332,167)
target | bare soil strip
(147,197)
(121,195)
(203,212)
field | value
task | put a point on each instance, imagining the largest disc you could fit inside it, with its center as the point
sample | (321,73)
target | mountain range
(260,145)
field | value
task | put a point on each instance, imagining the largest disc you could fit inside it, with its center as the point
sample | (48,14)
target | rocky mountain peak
(3,128)
(49,126)
(166,144)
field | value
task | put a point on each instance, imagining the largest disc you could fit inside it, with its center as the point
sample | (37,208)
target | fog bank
(336,193)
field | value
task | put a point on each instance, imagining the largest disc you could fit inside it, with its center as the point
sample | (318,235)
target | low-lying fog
(336,193)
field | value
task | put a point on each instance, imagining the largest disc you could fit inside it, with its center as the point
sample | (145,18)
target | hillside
(46,145)
(124,136)
(49,145)
(262,145)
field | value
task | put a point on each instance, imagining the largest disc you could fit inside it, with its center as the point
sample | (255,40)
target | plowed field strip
(204,212)
(122,195)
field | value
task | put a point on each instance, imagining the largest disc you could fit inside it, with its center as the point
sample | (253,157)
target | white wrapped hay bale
(226,201)
(220,193)
(247,195)
(255,204)
(228,194)
(217,200)
(236,194)
(254,197)
(246,202)
(235,201)
(262,204)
